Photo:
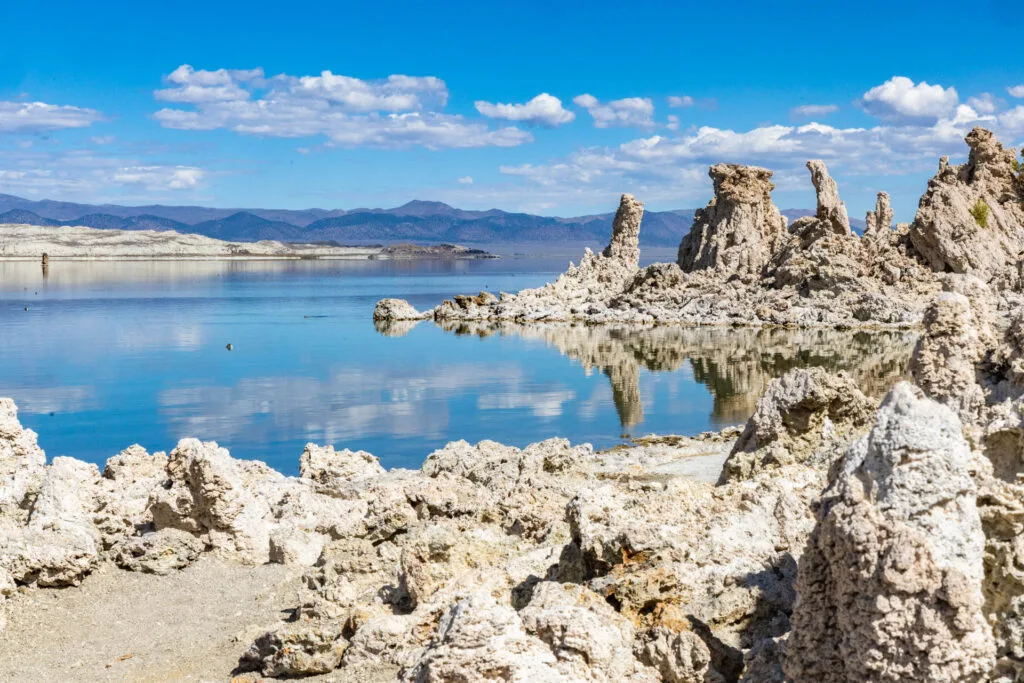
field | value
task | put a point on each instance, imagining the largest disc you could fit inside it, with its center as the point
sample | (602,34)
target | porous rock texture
(739,230)
(800,419)
(397,310)
(890,585)
(625,243)
(971,219)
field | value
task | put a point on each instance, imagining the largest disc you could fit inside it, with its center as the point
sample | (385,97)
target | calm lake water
(110,354)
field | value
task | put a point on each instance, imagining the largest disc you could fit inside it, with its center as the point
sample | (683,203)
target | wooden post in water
(46,265)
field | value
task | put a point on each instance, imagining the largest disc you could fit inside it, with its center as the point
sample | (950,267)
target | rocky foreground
(741,264)
(31,242)
(845,539)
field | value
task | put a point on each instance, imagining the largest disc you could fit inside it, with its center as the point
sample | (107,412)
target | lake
(113,353)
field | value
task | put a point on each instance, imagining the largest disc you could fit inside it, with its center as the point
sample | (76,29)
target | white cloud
(466,180)
(33,117)
(1013,120)
(195,87)
(160,177)
(399,111)
(543,110)
(680,101)
(673,122)
(985,103)
(900,100)
(1016,91)
(673,167)
(631,111)
(103,139)
(812,110)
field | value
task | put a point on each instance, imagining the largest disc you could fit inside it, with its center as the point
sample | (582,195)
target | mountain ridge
(417,220)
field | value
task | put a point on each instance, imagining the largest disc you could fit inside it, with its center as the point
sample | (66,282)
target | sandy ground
(124,626)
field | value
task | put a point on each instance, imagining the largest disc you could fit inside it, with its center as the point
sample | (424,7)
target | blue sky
(547,107)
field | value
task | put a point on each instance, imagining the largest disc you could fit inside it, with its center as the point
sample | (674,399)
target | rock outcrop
(625,243)
(397,310)
(971,219)
(739,230)
(740,265)
(879,221)
(890,586)
(831,209)
(804,417)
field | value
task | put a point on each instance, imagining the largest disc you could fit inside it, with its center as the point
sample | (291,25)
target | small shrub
(980,212)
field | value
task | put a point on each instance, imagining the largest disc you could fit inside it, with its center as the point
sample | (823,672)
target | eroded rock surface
(971,219)
(890,587)
(805,417)
(740,229)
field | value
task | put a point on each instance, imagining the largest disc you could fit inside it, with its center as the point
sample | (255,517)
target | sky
(545,107)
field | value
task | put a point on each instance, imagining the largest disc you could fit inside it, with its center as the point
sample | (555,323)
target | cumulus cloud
(629,112)
(466,180)
(673,167)
(680,101)
(1016,91)
(34,117)
(543,110)
(395,112)
(812,110)
(673,122)
(900,100)
(985,103)
(103,139)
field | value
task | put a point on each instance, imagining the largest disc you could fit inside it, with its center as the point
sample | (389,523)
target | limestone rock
(588,637)
(944,359)
(890,586)
(396,309)
(971,219)
(60,544)
(831,209)
(211,494)
(159,552)
(737,232)
(296,651)
(329,468)
(803,417)
(122,504)
(879,221)
(22,464)
(821,254)
(625,243)
(479,640)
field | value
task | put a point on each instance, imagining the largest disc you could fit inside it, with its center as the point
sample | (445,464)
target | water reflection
(735,364)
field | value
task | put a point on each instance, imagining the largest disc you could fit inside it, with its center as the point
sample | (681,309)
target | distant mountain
(26,217)
(247,227)
(416,221)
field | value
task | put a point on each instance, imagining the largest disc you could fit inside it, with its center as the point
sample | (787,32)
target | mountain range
(416,221)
